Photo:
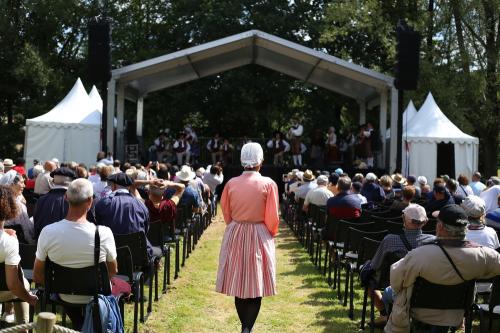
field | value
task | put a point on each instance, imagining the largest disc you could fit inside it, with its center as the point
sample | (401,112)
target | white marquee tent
(408,115)
(427,129)
(68,132)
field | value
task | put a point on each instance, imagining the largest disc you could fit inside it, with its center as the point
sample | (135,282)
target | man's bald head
(49,166)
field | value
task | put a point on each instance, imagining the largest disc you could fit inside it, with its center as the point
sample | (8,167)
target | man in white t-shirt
(318,196)
(70,243)
(478,232)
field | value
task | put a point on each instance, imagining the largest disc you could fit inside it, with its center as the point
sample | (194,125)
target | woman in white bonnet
(247,267)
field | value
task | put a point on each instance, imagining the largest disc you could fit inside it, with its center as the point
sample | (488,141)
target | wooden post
(45,322)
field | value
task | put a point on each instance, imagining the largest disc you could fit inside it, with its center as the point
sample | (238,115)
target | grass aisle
(304,302)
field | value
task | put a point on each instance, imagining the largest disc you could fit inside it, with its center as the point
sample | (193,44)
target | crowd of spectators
(64,202)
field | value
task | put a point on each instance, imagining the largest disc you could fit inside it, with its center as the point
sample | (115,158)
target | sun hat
(308,176)
(398,178)
(422,180)
(185,174)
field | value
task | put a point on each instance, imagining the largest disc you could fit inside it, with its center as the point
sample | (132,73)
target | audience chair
(134,278)
(156,236)
(490,310)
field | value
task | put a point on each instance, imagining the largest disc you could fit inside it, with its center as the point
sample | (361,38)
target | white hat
(322,180)
(370,176)
(185,173)
(474,206)
(422,180)
(251,155)
(416,213)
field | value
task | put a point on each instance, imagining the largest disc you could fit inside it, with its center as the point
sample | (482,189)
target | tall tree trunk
(464,55)
(492,103)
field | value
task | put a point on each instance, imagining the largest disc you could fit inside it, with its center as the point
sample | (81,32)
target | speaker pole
(399,152)
(104,119)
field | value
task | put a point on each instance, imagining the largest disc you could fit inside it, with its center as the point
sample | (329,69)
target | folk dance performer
(279,147)
(247,266)
(295,134)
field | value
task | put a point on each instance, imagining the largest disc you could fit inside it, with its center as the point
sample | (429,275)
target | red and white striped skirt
(247,262)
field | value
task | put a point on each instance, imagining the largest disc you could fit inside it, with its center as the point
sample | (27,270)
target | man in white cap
(318,196)
(414,218)
(478,232)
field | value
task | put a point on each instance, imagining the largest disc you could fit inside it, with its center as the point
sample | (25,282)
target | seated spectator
(16,182)
(308,185)
(122,212)
(463,186)
(414,219)
(19,167)
(35,171)
(410,181)
(164,210)
(53,206)
(8,164)
(43,182)
(213,177)
(477,231)
(70,243)
(476,185)
(440,197)
(408,193)
(356,189)
(371,190)
(30,170)
(191,197)
(452,186)
(493,217)
(102,188)
(9,255)
(424,187)
(430,263)
(358,178)
(333,179)
(386,184)
(344,205)
(318,196)
(490,196)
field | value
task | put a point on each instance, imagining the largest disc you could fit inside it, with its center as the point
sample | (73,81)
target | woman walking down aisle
(247,267)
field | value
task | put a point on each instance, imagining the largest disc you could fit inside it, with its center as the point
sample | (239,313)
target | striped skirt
(247,263)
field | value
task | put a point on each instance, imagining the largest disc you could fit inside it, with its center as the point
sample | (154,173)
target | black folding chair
(156,236)
(75,281)
(490,310)
(134,278)
(142,263)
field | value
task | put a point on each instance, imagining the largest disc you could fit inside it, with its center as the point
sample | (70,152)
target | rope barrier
(45,324)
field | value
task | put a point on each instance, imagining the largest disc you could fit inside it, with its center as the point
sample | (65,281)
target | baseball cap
(416,213)
(453,215)
(474,207)
(439,188)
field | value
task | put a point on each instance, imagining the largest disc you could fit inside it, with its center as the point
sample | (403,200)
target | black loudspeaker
(99,57)
(130,131)
(407,57)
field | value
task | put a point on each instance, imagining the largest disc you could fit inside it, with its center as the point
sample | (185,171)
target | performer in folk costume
(226,150)
(160,144)
(279,148)
(213,146)
(331,145)
(182,149)
(295,134)
(247,263)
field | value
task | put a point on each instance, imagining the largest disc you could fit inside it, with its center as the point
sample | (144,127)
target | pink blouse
(251,198)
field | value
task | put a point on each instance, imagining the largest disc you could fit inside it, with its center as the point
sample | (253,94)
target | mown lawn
(304,302)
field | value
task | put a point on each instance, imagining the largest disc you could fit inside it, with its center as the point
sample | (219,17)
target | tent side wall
(421,159)
(68,142)
(466,159)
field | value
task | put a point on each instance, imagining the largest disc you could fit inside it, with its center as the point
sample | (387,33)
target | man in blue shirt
(122,212)
(53,207)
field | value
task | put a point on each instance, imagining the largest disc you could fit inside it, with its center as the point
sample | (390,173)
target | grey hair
(37,169)
(458,232)
(344,184)
(79,191)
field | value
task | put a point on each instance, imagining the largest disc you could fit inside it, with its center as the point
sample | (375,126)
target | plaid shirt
(393,243)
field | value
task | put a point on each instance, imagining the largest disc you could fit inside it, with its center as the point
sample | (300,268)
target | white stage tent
(408,115)
(428,128)
(68,132)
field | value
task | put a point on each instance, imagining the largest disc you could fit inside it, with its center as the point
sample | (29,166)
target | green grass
(304,301)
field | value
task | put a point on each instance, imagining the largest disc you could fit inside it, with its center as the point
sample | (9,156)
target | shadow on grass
(335,318)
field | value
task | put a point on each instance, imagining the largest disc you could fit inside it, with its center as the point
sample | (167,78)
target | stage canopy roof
(254,47)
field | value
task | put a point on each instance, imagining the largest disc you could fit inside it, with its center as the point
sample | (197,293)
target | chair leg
(141,293)
(363,310)
(177,258)
(351,296)
(372,314)
(184,248)
(150,300)
(137,297)
(348,275)
(155,267)
(166,270)
(337,277)
(325,264)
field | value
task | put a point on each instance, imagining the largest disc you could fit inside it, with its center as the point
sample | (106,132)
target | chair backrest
(355,236)
(27,252)
(3,280)
(342,228)
(137,244)
(76,281)
(384,273)
(321,217)
(367,249)
(430,295)
(312,212)
(19,232)
(156,233)
(393,227)
(125,262)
